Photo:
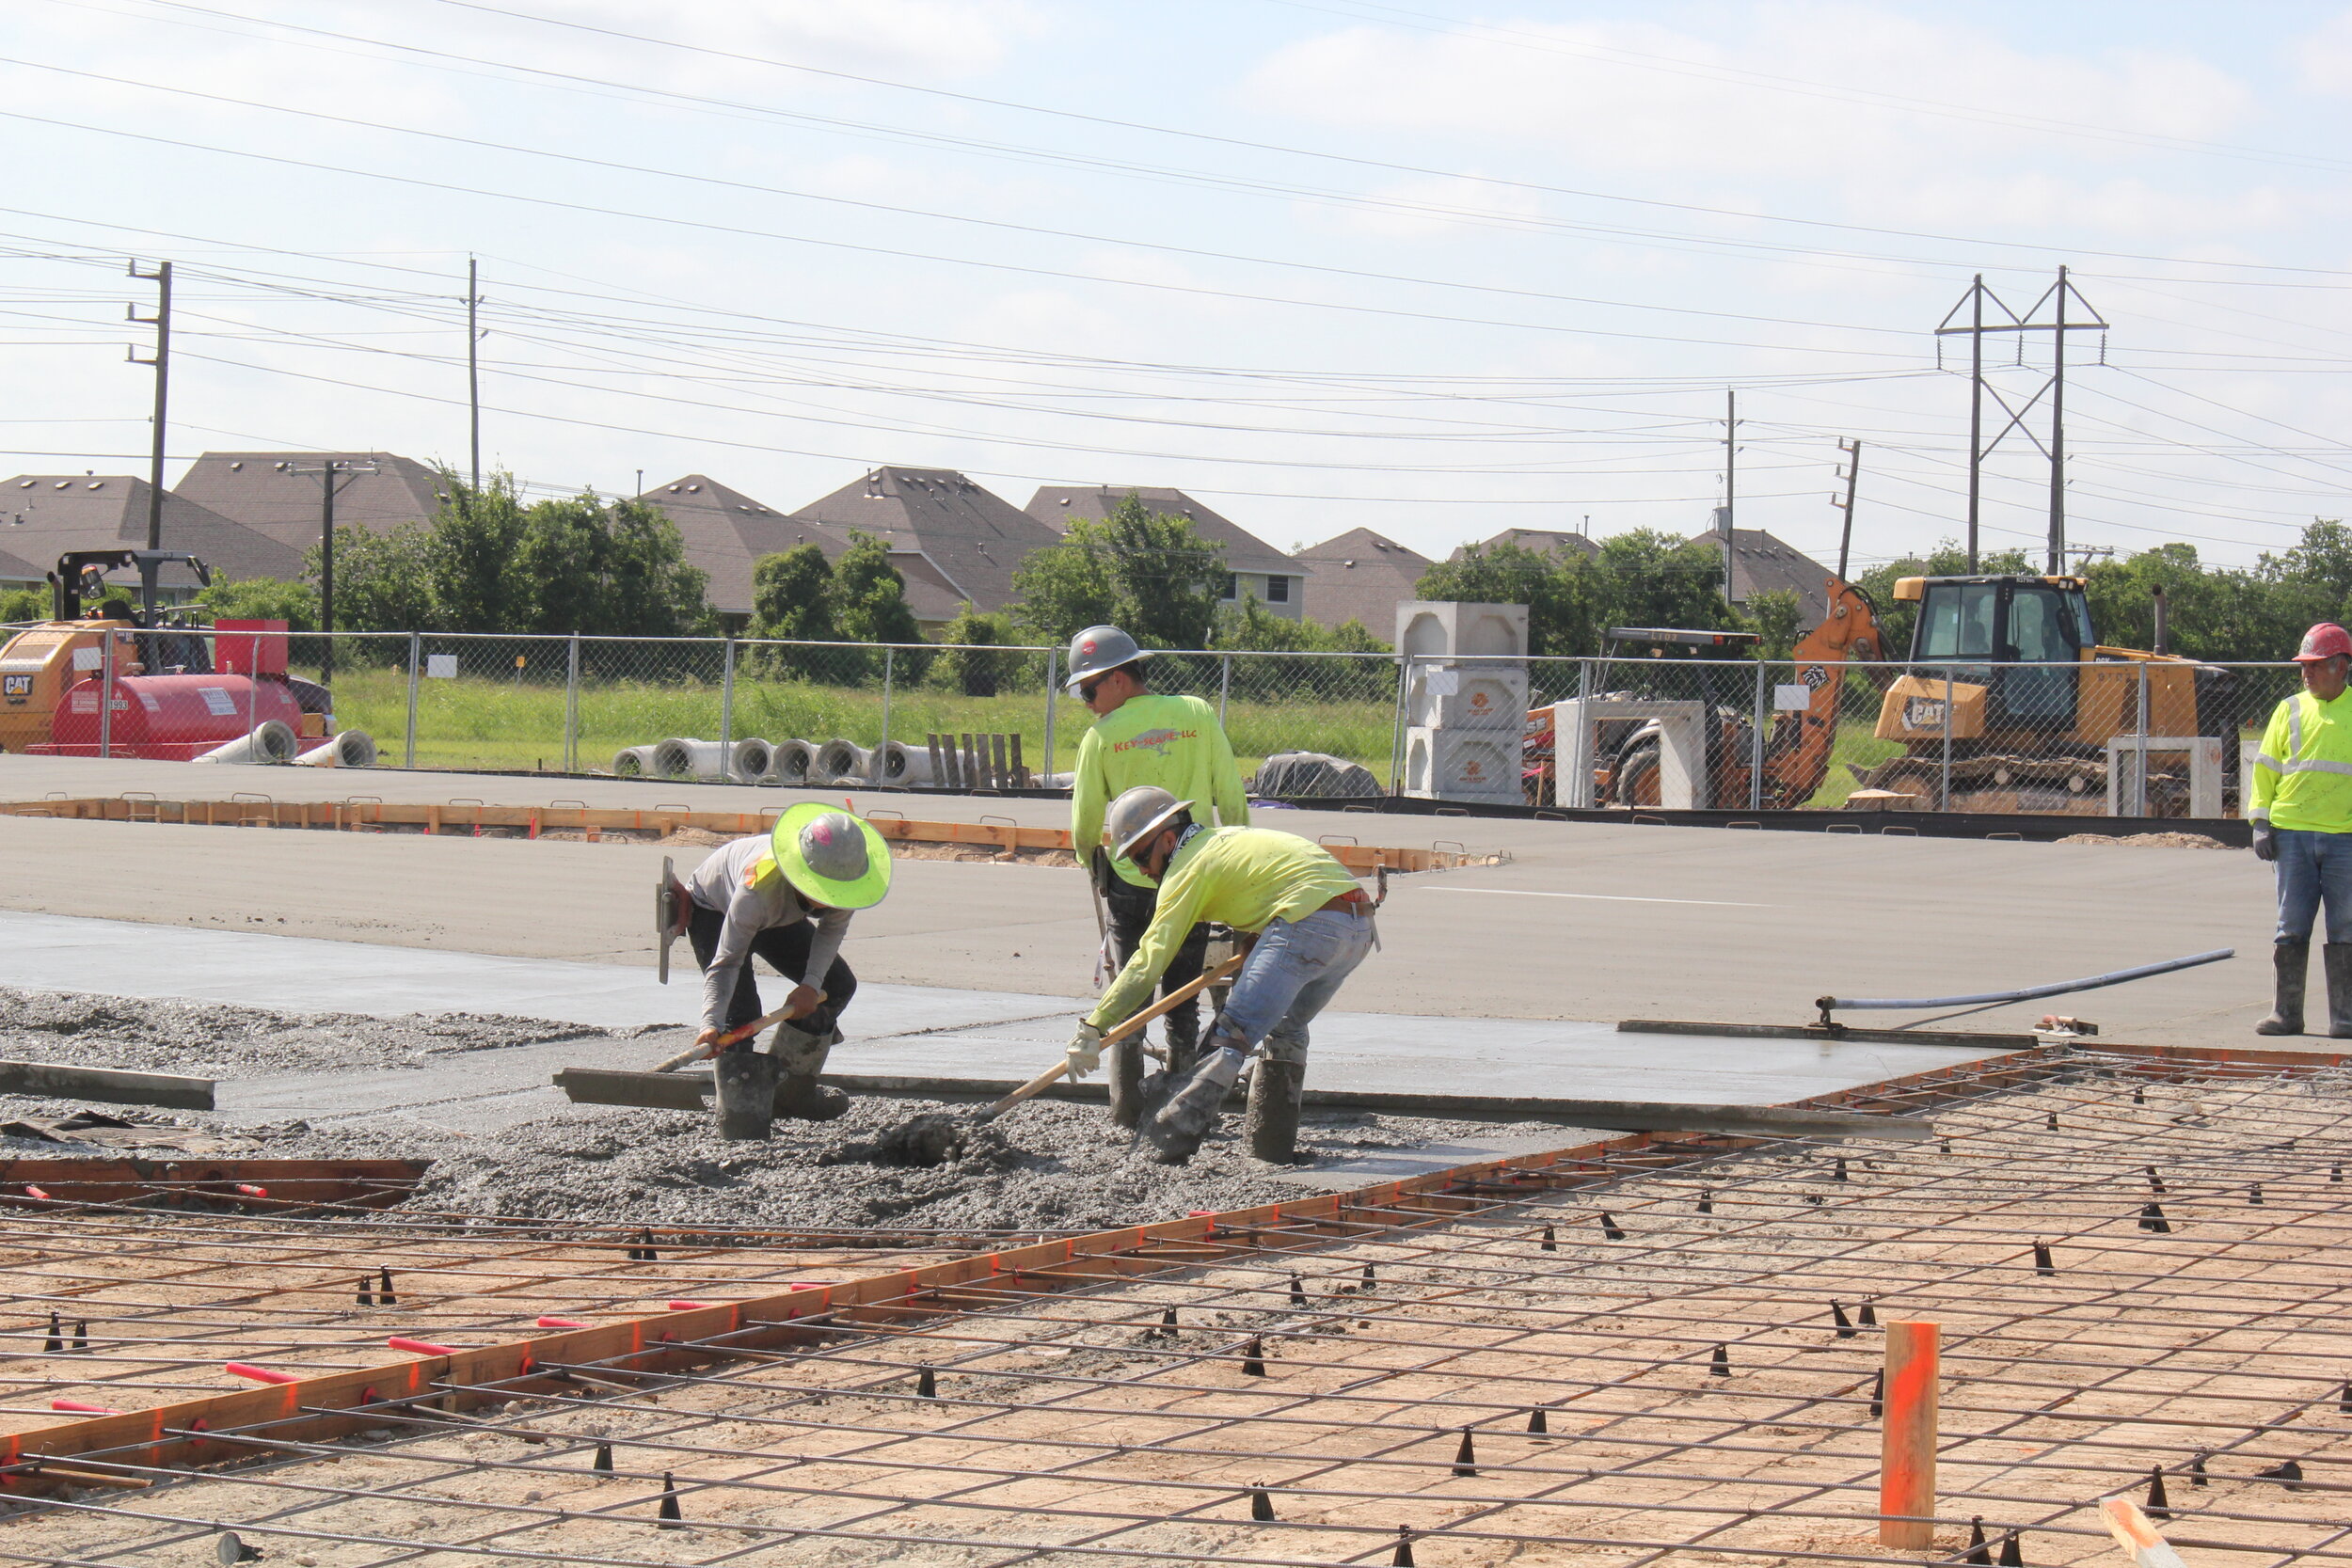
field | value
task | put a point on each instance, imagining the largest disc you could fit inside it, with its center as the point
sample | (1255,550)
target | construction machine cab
(164,641)
(2028,625)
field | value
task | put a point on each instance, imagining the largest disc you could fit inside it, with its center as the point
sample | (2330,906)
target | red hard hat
(2324,640)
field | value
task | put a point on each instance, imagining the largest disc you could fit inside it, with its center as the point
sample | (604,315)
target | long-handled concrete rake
(930,1138)
(742,1032)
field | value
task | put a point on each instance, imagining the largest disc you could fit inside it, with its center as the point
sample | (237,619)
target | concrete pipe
(347,749)
(794,762)
(272,740)
(675,758)
(907,766)
(633,762)
(841,762)
(754,759)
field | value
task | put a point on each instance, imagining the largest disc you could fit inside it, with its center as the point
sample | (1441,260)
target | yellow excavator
(2032,702)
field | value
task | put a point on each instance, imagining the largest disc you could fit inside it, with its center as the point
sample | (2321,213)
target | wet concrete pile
(1047,1164)
(211,1039)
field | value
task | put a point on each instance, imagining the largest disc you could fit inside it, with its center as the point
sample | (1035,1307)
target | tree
(792,598)
(870,594)
(1149,574)
(968,662)
(263,600)
(1648,578)
(616,571)
(1559,591)
(1776,616)
(381,584)
(471,556)
(23,603)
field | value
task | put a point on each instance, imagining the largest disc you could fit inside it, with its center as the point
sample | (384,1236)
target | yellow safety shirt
(1245,877)
(1174,742)
(2303,776)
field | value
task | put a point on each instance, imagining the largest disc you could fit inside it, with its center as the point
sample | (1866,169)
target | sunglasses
(1088,688)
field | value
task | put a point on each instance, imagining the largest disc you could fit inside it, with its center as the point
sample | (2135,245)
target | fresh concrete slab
(893,1029)
(1588,920)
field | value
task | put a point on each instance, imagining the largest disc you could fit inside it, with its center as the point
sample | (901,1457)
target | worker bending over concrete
(1140,737)
(787,897)
(1309,926)
(2301,809)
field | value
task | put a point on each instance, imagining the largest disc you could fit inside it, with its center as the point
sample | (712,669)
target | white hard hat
(1098,649)
(1137,814)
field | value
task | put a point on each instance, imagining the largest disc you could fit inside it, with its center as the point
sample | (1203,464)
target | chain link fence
(2113,739)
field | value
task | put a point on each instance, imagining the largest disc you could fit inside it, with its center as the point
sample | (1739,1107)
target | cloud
(1644,97)
(2322,58)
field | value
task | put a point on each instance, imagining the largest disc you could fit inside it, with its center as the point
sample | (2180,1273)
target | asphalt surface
(1587,922)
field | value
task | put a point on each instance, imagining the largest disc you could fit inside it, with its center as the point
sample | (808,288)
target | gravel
(209,1039)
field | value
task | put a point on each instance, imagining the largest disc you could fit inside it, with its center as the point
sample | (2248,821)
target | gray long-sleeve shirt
(723,884)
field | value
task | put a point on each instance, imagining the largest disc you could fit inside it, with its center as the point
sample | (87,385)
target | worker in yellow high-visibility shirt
(1140,736)
(1309,926)
(2301,803)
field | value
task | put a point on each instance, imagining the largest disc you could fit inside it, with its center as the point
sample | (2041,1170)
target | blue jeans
(2312,868)
(1293,973)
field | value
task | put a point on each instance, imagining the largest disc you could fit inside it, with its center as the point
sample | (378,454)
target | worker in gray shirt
(786,898)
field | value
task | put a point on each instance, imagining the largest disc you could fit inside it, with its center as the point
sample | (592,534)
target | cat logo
(1923,713)
(16,688)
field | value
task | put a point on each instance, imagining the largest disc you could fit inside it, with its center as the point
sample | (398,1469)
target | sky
(1437,270)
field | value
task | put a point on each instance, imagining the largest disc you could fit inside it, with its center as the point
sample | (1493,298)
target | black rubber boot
(1178,1128)
(2292,960)
(746,1082)
(1271,1123)
(2336,957)
(799,1055)
(1124,1059)
(799,1097)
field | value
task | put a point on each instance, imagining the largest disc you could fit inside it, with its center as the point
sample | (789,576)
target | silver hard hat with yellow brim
(831,857)
(1140,813)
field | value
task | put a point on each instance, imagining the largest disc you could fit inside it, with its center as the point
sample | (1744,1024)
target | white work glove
(1085,1052)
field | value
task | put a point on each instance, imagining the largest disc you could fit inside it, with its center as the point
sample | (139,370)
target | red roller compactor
(93,685)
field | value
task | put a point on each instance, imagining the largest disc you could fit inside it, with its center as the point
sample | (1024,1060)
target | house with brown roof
(1252,565)
(1542,541)
(1359,576)
(44,515)
(725,533)
(17,571)
(266,492)
(1761,563)
(951,539)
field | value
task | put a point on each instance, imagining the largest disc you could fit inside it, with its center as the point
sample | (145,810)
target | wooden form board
(281,1183)
(464,817)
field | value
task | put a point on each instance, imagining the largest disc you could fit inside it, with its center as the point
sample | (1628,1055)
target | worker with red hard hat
(2299,801)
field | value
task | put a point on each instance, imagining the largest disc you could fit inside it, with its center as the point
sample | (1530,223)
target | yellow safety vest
(2303,776)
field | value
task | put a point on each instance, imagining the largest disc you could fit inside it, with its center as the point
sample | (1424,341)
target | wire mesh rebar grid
(1662,1349)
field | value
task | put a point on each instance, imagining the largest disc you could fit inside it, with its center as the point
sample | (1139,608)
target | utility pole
(161,321)
(473,369)
(1731,491)
(2057,433)
(2056,296)
(1976,415)
(335,475)
(1852,473)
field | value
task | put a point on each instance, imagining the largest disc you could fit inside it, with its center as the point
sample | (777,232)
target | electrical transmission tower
(1976,328)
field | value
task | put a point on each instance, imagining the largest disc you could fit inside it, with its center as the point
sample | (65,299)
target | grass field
(475,722)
